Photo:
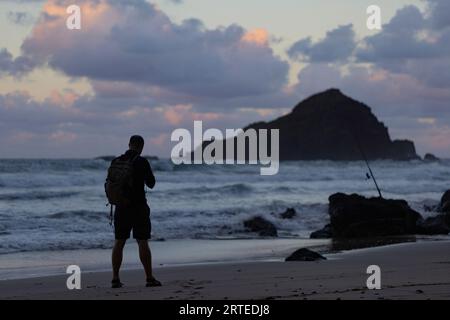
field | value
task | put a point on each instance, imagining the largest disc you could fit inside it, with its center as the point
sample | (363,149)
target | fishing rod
(358,143)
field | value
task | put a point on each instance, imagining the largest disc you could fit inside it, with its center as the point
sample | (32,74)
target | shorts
(136,218)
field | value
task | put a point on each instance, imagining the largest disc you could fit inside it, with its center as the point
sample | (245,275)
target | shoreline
(185,253)
(409,271)
(165,254)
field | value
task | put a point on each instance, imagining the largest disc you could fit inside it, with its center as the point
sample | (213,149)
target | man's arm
(149,178)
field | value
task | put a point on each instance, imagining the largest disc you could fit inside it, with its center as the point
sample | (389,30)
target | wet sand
(408,271)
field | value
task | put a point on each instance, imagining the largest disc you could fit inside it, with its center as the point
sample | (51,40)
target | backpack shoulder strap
(133,160)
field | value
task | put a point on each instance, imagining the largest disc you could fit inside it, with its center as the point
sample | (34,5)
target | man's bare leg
(116,258)
(146,259)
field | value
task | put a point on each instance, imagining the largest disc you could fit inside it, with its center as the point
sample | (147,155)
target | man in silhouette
(135,216)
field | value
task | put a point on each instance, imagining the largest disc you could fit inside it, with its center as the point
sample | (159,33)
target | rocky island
(330,126)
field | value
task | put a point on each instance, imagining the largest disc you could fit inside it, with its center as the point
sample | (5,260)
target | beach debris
(290,213)
(305,255)
(260,225)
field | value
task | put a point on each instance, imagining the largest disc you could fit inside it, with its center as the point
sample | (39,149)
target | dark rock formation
(329,126)
(433,225)
(325,233)
(290,213)
(305,255)
(444,206)
(260,225)
(354,216)
(341,244)
(357,216)
(431,158)
(334,122)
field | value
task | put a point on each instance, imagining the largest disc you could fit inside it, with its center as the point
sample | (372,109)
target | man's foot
(116,284)
(153,283)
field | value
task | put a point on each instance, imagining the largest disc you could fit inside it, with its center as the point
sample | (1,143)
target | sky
(149,67)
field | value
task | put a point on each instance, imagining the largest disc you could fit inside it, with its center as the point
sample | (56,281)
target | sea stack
(330,125)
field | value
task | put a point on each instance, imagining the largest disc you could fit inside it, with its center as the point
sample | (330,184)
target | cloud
(150,75)
(87,126)
(403,69)
(337,45)
(24,1)
(19,17)
(398,40)
(408,107)
(439,12)
(394,95)
(257,36)
(62,136)
(132,41)
(413,43)
(15,66)
(430,121)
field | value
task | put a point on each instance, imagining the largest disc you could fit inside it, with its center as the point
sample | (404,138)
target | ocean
(58,205)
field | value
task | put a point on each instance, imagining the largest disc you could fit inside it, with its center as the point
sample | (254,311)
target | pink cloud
(160,140)
(62,136)
(175,115)
(64,99)
(256,36)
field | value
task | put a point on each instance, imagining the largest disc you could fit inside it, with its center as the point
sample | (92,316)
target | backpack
(119,181)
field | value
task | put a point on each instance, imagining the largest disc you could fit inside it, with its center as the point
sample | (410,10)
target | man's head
(136,143)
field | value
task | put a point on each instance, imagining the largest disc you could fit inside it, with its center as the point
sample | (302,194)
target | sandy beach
(409,271)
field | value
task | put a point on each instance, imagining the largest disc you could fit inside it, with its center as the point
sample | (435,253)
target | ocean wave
(162,165)
(81,214)
(90,230)
(232,189)
(39,180)
(50,165)
(238,188)
(37,195)
(208,202)
(29,246)
(217,169)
